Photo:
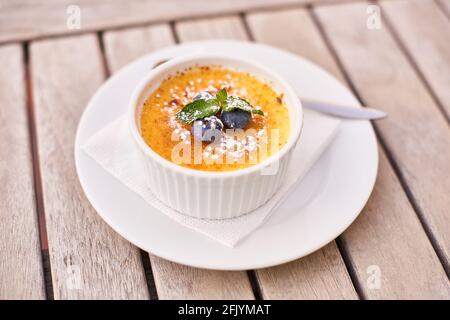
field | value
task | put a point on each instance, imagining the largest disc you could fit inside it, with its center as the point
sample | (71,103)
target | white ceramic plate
(324,204)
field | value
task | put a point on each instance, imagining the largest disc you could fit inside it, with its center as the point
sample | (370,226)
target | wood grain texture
(424,30)
(218,28)
(415,132)
(292,273)
(21,272)
(123,46)
(173,281)
(388,238)
(29,19)
(387,233)
(321,275)
(301,36)
(88,259)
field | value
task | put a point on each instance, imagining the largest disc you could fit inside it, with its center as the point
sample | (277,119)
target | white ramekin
(214,195)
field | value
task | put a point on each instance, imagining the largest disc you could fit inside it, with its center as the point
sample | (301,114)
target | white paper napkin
(113,148)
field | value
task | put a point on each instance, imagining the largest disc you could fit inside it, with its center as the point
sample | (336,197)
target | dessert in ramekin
(215,134)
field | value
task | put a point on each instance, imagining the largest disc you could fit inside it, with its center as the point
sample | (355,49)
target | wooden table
(53,245)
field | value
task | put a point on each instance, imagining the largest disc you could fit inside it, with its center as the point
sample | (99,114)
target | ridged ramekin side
(212,197)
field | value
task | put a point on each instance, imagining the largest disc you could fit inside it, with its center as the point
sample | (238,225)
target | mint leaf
(257,111)
(198,109)
(234,102)
(222,96)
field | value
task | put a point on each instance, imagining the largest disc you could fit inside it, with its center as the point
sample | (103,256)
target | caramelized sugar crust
(264,135)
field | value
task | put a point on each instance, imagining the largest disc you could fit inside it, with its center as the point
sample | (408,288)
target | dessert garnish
(234,112)
(207,129)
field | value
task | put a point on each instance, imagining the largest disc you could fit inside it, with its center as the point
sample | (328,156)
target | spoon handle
(344,111)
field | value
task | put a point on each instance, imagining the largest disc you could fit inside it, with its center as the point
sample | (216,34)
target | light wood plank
(173,281)
(88,259)
(301,36)
(123,46)
(21,272)
(370,240)
(321,275)
(415,132)
(424,30)
(29,19)
(219,28)
(285,281)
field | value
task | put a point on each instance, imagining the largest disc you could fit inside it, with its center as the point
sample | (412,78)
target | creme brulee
(172,138)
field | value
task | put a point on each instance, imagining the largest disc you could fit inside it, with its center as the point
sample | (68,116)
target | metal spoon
(343,111)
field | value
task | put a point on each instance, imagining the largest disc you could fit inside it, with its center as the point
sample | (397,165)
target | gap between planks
(395,34)
(384,145)
(37,180)
(339,242)
(383,140)
(145,260)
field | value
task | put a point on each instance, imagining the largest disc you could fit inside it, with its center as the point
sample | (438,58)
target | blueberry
(236,119)
(203,95)
(207,129)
